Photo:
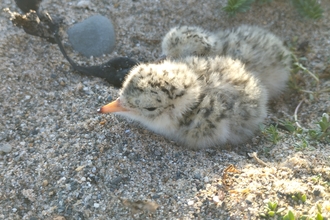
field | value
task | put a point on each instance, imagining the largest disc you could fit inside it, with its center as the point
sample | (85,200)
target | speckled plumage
(262,52)
(198,102)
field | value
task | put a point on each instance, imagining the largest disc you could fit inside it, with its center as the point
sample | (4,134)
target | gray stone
(93,37)
(5,148)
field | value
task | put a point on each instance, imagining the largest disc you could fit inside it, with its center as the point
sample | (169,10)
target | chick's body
(262,52)
(198,102)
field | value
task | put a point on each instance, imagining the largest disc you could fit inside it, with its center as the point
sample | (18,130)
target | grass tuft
(234,6)
(307,8)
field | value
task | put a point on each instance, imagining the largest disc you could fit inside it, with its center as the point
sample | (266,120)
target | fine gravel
(60,159)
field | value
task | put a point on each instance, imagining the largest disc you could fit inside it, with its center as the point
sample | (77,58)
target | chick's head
(186,41)
(154,92)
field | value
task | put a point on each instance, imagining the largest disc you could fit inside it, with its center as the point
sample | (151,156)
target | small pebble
(197,176)
(68,187)
(117,180)
(79,168)
(96,205)
(84,4)
(59,218)
(190,202)
(317,192)
(216,199)
(248,202)
(5,148)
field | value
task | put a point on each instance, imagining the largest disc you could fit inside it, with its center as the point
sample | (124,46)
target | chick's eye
(151,109)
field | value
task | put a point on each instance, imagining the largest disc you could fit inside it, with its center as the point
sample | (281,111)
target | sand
(65,161)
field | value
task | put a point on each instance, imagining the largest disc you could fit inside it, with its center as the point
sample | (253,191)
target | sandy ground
(68,162)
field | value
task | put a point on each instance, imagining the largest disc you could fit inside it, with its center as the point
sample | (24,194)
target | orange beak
(114,106)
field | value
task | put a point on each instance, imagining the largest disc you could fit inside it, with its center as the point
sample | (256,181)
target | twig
(306,91)
(300,66)
(255,156)
(296,116)
(306,70)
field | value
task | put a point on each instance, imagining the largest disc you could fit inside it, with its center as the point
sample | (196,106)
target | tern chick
(262,52)
(196,101)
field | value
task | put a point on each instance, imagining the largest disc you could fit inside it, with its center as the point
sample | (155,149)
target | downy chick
(198,102)
(262,52)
